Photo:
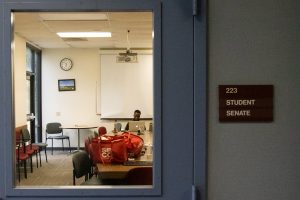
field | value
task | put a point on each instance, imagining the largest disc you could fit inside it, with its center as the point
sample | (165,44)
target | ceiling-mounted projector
(128,52)
(126,58)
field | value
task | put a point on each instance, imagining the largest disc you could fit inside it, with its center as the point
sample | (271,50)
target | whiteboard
(125,87)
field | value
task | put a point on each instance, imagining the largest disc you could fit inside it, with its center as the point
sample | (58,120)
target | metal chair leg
(40,156)
(69,145)
(62,141)
(52,146)
(19,171)
(46,154)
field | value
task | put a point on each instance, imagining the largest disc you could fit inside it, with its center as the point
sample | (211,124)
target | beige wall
(20,80)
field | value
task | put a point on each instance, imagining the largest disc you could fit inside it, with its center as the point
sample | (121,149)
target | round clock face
(66,64)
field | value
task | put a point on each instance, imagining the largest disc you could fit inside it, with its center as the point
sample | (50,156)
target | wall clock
(66,64)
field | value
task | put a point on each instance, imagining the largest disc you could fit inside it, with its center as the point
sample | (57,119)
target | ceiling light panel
(72,16)
(77,26)
(83,34)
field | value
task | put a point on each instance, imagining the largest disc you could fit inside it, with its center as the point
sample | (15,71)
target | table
(78,127)
(114,171)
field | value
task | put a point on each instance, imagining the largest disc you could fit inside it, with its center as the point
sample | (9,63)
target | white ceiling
(40,29)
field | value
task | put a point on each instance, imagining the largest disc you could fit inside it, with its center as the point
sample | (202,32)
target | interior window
(96,98)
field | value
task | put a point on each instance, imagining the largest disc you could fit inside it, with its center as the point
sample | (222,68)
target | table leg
(78,147)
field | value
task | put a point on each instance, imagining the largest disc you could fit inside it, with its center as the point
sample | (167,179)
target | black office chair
(82,167)
(118,126)
(54,131)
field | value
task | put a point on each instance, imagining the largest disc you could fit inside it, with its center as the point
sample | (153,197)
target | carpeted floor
(58,171)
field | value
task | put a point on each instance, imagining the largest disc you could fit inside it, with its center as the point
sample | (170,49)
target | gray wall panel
(255,42)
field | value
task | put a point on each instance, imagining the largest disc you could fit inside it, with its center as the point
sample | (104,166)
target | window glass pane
(89,85)
(28,109)
(29,59)
(28,94)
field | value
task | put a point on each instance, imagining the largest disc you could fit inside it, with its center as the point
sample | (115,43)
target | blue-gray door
(179,100)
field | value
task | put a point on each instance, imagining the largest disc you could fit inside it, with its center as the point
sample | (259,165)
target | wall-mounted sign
(245,103)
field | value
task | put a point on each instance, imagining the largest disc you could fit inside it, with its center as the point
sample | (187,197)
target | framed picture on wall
(66,85)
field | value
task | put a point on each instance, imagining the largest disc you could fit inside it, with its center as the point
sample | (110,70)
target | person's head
(136,115)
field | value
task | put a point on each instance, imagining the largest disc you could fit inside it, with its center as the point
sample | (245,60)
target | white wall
(70,107)
(126,87)
(255,42)
(20,91)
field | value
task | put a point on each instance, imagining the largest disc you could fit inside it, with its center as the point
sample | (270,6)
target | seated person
(136,117)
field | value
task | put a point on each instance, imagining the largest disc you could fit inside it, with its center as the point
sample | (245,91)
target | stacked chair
(25,149)
(30,148)
(37,147)
(21,157)
(42,146)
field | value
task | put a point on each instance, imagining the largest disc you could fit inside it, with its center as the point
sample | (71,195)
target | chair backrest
(96,134)
(53,128)
(18,136)
(86,145)
(94,151)
(90,137)
(25,134)
(81,164)
(139,176)
(118,126)
(102,130)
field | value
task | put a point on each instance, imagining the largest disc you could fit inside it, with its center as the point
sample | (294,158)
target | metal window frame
(7,115)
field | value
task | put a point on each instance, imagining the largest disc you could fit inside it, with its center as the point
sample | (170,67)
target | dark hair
(137,111)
